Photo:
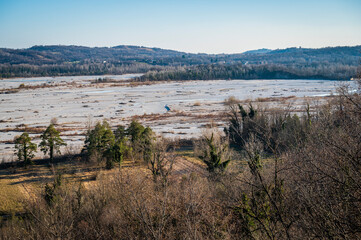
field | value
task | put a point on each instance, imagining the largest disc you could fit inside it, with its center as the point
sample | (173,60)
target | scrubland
(269,174)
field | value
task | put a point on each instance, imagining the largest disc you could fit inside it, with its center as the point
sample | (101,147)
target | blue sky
(208,26)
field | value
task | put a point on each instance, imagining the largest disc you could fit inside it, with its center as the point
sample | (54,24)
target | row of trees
(102,143)
(71,69)
(136,142)
(50,143)
(139,142)
(259,71)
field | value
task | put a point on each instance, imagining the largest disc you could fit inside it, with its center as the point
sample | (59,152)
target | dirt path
(184,166)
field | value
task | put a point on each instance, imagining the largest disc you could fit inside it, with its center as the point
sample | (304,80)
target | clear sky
(223,26)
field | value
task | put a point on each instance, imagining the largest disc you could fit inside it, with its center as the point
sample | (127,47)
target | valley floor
(75,103)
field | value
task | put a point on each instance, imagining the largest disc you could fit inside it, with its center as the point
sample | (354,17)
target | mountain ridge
(65,60)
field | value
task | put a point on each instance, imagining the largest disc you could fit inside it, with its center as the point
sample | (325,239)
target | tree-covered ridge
(264,71)
(78,60)
(58,54)
(39,55)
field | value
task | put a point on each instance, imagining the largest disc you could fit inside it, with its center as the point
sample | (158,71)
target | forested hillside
(261,71)
(331,62)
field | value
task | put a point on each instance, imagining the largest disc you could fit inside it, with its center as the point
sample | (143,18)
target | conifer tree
(213,156)
(51,141)
(25,148)
(99,139)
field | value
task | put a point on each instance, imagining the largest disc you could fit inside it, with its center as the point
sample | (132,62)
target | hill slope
(79,60)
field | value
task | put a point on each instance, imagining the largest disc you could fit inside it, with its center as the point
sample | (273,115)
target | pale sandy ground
(76,104)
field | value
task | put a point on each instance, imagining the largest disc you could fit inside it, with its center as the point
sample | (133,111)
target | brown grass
(274,99)
(231,101)
(174,114)
(24,128)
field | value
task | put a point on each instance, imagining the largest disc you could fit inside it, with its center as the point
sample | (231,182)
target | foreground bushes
(127,206)
(302,181)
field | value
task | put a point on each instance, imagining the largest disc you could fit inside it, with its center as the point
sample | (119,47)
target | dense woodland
(271,175)
(329,63)
(262,71)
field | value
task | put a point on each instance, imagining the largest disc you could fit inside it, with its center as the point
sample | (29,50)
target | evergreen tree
(135,131)
(140,139)
(99,139)
(120,132)
(25,148)
(117,152)
(51,141)
(100,142)
(213,156)
(146,141)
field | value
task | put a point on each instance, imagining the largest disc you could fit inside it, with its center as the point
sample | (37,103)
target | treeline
(73,69)
(78,60)
(286,177)
(101,144)
(241,71)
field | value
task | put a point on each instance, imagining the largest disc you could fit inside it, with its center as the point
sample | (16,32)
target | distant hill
(258,51)
(78,60)
(39,55)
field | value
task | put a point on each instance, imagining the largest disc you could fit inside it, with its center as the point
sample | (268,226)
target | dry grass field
(18,184)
